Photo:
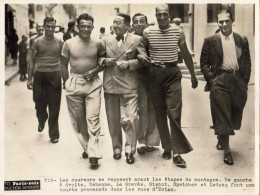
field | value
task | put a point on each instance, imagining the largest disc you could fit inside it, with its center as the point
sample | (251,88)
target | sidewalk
(11,71)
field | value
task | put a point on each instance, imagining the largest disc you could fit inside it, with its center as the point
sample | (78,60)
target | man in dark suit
(226,65)
(71,32)
(121,84)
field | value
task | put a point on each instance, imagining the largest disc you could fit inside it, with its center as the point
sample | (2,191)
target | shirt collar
(228,37)
(125,35)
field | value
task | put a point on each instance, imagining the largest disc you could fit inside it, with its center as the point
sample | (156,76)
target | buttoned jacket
(122,81)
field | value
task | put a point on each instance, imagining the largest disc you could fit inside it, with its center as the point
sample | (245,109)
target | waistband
(81,76)
(77,75)
(165,64)
(228,71)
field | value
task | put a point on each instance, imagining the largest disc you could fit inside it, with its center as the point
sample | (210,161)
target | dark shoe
(54,141)
(141,150)
(219,146)
(228,159)
(179,162)
(149,148)
(130,158)
(93,161)
(40,127)
(167,155)
(117,156)
(84,155)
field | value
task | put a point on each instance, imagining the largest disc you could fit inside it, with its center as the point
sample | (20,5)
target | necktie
(120,37)
(226,38)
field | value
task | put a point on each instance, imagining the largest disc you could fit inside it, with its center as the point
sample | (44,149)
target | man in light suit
(226,65)
(121,84)
(148,134)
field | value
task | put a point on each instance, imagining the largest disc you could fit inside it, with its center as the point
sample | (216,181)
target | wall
(21,19)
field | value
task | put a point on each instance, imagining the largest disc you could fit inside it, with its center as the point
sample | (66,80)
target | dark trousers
(228,95)
(166,94)
(47,92)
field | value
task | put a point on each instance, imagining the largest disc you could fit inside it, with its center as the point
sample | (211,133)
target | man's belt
(228,71)
(164,64)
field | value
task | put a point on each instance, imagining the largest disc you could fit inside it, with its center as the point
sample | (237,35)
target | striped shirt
(163,44)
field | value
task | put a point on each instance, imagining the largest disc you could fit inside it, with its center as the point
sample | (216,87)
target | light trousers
(84,101)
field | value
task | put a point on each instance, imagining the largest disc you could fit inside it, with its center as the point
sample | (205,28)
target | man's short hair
(225,11)
(127,18)
(162,5)
(85,17)
(140,14)
(71,25)
(48,19)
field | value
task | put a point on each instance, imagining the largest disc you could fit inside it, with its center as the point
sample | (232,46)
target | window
(179,11)
(213,10)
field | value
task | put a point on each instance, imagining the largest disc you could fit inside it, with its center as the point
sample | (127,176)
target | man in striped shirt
(165,76)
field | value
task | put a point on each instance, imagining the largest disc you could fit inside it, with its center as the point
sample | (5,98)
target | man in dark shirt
(44,78)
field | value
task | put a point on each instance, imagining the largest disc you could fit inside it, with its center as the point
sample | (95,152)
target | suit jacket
(67,35)
(212,57)
(123,81)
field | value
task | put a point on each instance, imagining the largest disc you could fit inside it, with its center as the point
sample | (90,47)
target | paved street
(30,155)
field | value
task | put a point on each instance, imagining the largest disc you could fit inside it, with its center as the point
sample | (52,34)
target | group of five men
(142,84)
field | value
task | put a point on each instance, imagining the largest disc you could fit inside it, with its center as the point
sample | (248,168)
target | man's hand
(122,65)
(194,82)
(145,60)
(30,84)
(108,62)
(90,75)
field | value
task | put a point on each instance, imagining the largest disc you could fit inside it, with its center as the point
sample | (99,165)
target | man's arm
(64,69)
(205,60)
(134,63)
(187,59)
(31,66)
(247,61)
(144,59)
(101,62)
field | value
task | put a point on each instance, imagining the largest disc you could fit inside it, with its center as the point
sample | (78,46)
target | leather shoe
(117,156)
(40,127)
(149,148)
(167,155)
(219,146)
(130,158)
(93,161)
(84,155)
(54,141)
(228,159)
(141,150)
(179,162)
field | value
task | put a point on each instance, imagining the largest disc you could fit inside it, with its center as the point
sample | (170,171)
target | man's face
(225,23)
(40,30)
(139,24)
(119,25)
(85,28)
(163,16)
(49,28)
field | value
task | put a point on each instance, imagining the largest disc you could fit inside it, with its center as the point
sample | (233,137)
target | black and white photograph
(116,97)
